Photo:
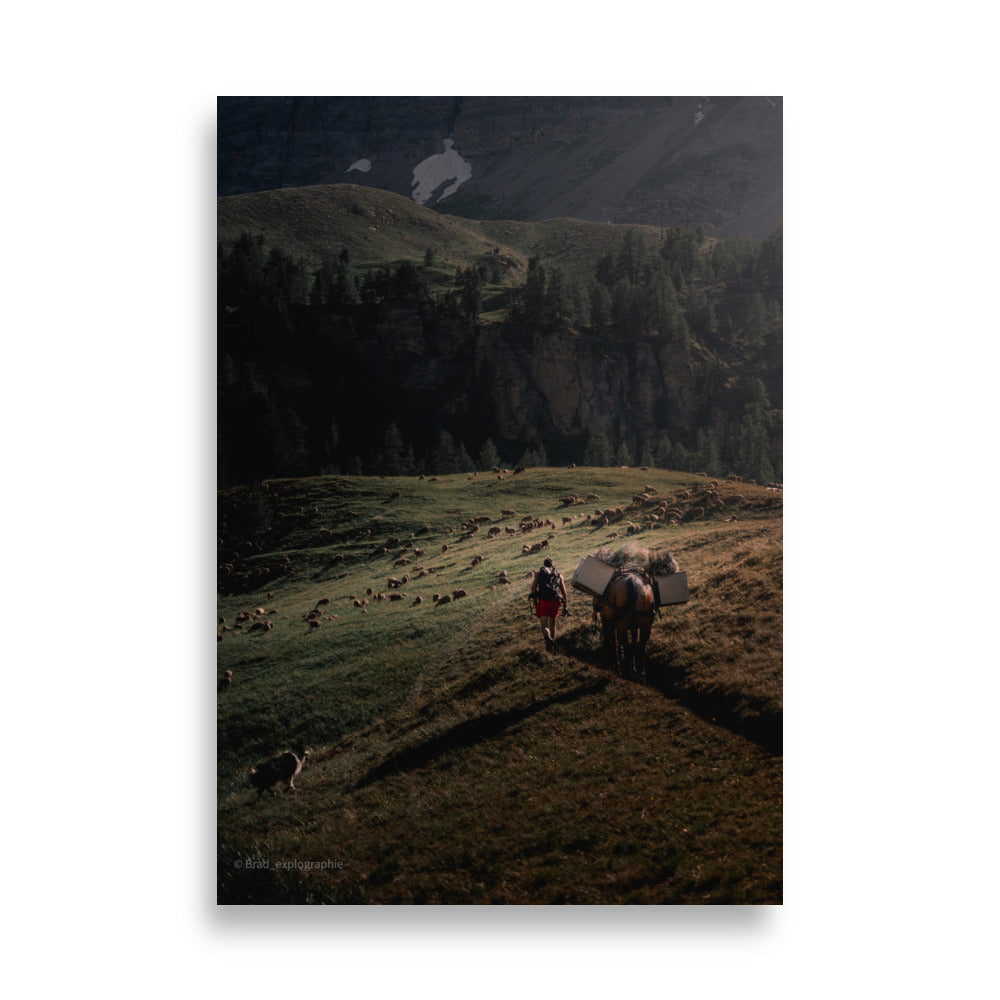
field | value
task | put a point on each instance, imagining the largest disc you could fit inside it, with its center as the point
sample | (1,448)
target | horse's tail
(631,605)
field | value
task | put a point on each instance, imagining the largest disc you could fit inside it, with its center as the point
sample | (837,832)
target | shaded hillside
(687,161)
(359,331)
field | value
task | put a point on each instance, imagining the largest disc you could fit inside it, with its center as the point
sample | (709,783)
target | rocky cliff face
(686,161)
(524,388)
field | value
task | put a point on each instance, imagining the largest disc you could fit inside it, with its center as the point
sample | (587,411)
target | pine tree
(707,457)
(533,295)
(489,457)
(598,452)
(391,460)
(442,459)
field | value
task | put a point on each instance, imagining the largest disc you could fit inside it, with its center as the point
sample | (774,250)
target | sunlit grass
(454,760)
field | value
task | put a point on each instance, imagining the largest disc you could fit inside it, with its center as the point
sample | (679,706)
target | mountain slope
(687,161)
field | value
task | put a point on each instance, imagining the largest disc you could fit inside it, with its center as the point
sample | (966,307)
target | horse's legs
(643,639)
(633,651)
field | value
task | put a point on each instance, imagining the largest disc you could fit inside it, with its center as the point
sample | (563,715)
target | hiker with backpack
(548,591)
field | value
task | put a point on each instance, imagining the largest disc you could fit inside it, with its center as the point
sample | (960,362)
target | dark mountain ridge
(671,161)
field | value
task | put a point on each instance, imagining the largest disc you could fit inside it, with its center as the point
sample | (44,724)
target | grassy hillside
(453,758)
(378,227)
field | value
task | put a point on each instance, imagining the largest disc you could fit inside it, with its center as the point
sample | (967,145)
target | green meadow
(452,758)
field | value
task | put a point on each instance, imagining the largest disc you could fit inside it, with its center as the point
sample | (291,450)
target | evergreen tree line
(673,291)
(276,312)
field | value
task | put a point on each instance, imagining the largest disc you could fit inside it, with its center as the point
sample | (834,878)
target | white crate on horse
(671,589)
(592,576)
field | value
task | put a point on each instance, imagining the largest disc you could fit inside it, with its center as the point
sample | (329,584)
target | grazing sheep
(396,596)
(418,600)
(322,601)
(508,513)
(444,599)
(225,680)
(314,623)
(456,594)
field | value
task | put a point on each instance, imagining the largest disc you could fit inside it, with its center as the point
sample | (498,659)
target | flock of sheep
(647,510)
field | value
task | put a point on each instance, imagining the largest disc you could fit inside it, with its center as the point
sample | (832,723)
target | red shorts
(547,609)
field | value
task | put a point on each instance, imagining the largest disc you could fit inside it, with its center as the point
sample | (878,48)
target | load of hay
(637,557)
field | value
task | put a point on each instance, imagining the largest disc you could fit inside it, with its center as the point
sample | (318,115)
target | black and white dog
(284,768)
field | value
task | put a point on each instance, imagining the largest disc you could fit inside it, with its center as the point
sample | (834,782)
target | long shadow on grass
(669,677)
(473,731)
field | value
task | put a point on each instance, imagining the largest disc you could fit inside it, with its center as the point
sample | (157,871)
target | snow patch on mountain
(430,174)
(363,165)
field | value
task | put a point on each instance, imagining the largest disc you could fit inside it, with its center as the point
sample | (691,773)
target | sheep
(225,680)
(445,599)
(314,623)
(456,594)
(418,600)
(477,560)
(396,596)
(320,603)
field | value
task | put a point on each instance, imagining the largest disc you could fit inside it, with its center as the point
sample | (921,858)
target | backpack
(547,584)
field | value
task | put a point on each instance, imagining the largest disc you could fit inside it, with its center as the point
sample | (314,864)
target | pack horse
(626,610)
(626,599)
